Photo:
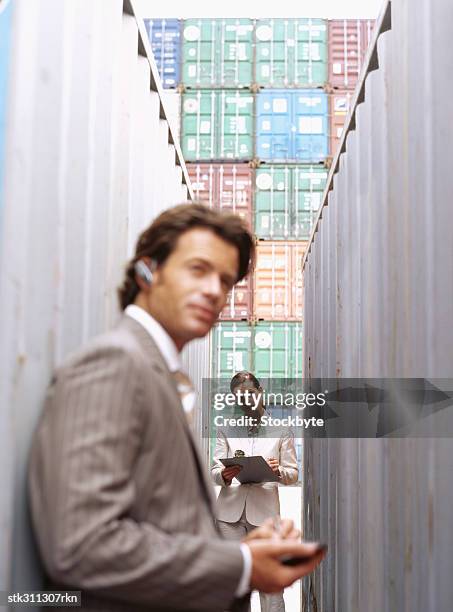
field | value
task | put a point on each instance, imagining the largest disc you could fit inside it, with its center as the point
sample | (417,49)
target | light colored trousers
(237,531)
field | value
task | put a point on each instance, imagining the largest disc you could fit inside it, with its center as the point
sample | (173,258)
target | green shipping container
(217,125)
(217,53)
(268,350)
(287,198)
(291,52)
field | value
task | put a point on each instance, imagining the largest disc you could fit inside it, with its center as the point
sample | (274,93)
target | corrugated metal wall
(6,448)
(89,161)
(379,303)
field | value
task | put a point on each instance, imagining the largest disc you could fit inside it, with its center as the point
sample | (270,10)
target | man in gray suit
(121,503)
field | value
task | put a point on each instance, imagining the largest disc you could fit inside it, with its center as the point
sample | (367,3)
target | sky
(330,9)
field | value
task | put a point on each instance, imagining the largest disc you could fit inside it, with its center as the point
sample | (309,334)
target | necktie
(186,393)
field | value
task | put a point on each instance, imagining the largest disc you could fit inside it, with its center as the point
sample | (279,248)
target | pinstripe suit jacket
(121,505)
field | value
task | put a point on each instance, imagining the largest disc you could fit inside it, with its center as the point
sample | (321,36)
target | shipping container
(339,104)
(231,349)
(268,349)
(291,52)
(88,162)
(379,304)
(217,53)
(224,186)
(217,125)
(348,43)
(165,38)
(287,198)
(277,350)
(278,281)
(292,126)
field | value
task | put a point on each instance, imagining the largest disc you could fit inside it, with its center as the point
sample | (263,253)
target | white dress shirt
(172,358)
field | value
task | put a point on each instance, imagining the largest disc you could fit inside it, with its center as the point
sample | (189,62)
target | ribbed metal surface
(287,199)
(268,349)
(379,303)
(291,52)
(292,125)
(227,187)
(6,447)
(172,100)
(217,53)
(278,280)
(348,44)
(89,160)
(217,124)
(196,359)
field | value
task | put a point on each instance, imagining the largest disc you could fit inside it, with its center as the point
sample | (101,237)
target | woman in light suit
(242,507)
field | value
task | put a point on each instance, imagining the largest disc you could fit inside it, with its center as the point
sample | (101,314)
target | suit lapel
(156,357)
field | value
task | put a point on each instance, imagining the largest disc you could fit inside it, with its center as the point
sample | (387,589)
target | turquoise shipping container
(291,53)
(217,53)
(217,125)
(268,349)
(287,198)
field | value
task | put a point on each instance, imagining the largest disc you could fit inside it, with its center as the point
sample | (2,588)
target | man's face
(190,289)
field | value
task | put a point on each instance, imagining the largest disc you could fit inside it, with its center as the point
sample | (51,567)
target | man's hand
(268,531)
(274,464)
(271,576)
(229,473)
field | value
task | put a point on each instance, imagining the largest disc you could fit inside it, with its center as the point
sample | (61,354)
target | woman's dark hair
(241,377)
(159,240)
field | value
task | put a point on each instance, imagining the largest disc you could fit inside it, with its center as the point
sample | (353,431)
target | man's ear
(145,269)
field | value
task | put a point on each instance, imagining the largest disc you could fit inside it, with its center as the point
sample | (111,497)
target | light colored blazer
(260,501)
(121,504)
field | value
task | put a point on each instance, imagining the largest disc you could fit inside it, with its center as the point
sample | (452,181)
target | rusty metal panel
(87,139)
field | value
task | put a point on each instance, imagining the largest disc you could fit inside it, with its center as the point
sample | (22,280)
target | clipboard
(254,469)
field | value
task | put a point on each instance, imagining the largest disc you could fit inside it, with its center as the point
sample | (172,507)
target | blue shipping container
(5,34)
(292,125)
(165,38)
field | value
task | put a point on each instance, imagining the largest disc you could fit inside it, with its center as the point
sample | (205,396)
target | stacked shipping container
(244,54)
(262,106)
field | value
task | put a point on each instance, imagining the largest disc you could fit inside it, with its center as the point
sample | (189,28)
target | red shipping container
(224,186)
(239,306)
(339,105)
(348,44)
(228,187)
(278,281)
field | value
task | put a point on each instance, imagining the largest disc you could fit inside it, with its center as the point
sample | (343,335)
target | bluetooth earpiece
(144,272)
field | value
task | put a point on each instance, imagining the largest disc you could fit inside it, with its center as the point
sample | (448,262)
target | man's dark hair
(160,239)
(241,377)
